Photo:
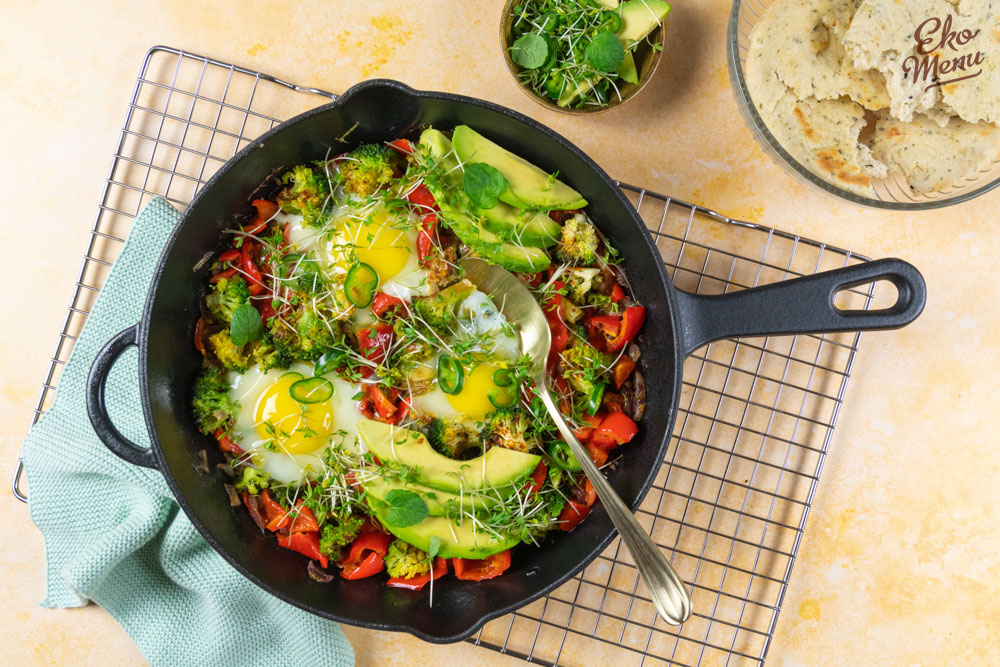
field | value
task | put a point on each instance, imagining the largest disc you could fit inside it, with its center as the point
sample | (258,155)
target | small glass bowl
(890,193)
(646,61)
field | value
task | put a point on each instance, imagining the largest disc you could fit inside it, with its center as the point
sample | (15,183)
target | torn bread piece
(976,98)
(822,135)
(931,157)
(797,45)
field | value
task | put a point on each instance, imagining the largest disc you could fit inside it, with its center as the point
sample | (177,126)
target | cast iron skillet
(676,324)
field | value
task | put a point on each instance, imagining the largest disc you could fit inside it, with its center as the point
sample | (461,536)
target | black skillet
(676,324)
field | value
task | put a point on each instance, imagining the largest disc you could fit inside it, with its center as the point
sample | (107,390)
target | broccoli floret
(405,560)
(579,282)
(231,356)
(368,167)
(306,193)
(266,355)
(584,366)
(228,294)
(411,366)
(510,428)
(253,480)
(542,521)
(439,311)
(451,437)
(335,537)
(578,243)
(213,407)
(310,336)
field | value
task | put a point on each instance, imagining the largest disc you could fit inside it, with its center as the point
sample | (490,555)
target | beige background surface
(898,564)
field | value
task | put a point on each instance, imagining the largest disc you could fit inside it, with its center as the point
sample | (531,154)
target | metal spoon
(518,304)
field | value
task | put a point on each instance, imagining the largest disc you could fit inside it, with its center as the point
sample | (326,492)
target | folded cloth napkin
(115,535)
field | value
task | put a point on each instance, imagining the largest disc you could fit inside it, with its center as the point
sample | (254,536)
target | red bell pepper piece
(306,544)
(303,520)
(537,478)
(375,343)
(598,456)
(607,325)
(616,429)
(265,211)
(416,583)
(623,369)
(631,321)
(227,445)
(468,569)
(225,273)
(250,269)
(572,514)
(230,255)
(617,293)
(366,555)
(384,302)
(266,309)
(199,334)
(560,337)
(421,196)
(613,402)
(272,508)
(588,488)
(425,238)
(584,433)
(382,402)
(402,145)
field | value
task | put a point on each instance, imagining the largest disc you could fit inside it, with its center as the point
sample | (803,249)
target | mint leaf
(406,508)
(605,52)
(435,547)
(530,51)
(483,184)
(246,326)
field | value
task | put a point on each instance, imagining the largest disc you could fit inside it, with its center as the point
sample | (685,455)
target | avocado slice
(438,502)
(457,540)
(496,468)
(639,18)
(523,255)
(530,187)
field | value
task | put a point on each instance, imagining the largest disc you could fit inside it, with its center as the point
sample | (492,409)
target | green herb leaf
(605,52)
(435,546)
(406,508)
(483,184)
(246,326)
(530,51)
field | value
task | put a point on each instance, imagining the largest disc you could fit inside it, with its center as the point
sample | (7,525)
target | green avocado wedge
(529,186)
(457,540)
(438,502)
(496,468)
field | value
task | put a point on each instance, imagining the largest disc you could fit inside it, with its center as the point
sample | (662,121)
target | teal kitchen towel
(114,534)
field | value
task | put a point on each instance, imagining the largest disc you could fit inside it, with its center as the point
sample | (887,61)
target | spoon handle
(665,587)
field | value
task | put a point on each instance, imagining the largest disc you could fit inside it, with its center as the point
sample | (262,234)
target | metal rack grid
(756,414)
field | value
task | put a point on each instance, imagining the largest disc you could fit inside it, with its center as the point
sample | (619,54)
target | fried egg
(472,402)
(284,436)
(386,241)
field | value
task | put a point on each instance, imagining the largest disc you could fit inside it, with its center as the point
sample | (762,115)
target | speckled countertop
(899,561)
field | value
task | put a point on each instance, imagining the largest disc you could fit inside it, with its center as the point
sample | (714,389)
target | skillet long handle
(665,587)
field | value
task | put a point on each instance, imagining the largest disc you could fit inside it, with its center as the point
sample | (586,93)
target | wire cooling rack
(756,414)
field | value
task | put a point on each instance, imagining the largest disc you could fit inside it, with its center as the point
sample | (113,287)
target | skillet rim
(633,215)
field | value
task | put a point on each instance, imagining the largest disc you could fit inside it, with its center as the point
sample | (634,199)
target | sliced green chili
(595,398)
(360,284)
(501,397)
(451,375)
(563,456)
(311,390)
(330,360)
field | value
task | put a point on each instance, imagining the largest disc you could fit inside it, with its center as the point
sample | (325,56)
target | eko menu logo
(943,51)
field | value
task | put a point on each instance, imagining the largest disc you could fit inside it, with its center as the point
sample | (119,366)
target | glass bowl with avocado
(372,405)
(582,56)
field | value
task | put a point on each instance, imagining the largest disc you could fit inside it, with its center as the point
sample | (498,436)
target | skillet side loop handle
(97,408)
(801,305)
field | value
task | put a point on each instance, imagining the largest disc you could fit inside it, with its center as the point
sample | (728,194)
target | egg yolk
(380,242)
(297,428)
(473,400)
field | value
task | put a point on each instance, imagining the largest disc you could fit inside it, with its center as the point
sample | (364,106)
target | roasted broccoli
(578,243)
(510,428)
(544,520)
(439,311)
(405,560)
(336,536)
(368,167)
(230,355)
(267,355)
(213,407)
(253,480)
(227,295)
(310,336)
(411,366)
(579,282)
(584,366)
(306,192)
(451,437)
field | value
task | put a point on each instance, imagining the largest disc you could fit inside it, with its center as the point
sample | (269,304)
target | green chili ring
(330,360)
(595,398)
(502,397)
(360,284)
(451,375)
(312,390)
(563,456)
